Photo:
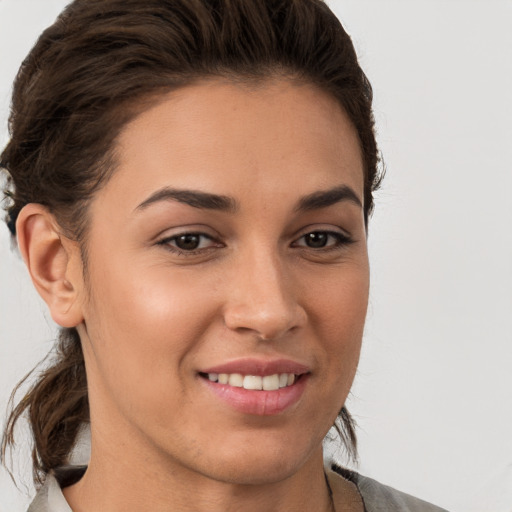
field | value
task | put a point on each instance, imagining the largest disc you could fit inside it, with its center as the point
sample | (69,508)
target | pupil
(316,240)
(188,242)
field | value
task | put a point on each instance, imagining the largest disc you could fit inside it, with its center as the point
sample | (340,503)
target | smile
(254,382)
(261,388)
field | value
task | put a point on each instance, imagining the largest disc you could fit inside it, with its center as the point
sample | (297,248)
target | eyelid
(322,228)
(342,238)
(165,241)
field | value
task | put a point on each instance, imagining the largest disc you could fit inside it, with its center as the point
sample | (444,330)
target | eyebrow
(208,201)
(195,198)
(325,198)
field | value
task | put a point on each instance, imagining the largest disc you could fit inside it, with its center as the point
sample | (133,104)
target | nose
(262,299)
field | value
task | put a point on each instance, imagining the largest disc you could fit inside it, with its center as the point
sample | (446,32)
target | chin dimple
(253,382)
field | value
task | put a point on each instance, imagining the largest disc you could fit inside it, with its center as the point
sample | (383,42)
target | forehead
(236,139)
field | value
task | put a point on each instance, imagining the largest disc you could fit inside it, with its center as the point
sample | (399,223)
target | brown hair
(91,72)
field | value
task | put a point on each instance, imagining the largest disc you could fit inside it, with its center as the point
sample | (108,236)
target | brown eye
(188,242)
(323,240)
(317,239)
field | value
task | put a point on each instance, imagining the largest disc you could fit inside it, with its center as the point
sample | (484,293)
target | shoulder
(49,498)
(40,502)
(378,497)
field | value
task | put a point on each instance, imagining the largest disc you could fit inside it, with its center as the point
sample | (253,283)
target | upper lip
(261,367)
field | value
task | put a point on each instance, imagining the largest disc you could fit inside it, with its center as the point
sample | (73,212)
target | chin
(259,462)
(254,472)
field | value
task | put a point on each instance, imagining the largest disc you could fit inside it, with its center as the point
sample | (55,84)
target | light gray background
(433,395)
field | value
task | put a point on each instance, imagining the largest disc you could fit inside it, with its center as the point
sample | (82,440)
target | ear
(54,263)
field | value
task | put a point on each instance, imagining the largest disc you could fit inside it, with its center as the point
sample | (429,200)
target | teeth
(271,382)
(254,382)
(236,380)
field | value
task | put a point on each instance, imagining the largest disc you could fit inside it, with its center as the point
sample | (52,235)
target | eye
(188,242)
(323,240)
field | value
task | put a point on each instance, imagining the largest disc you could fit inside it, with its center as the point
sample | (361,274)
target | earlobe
(53,262)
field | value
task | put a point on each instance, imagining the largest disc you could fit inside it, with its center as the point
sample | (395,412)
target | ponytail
(345,426)
(56,405)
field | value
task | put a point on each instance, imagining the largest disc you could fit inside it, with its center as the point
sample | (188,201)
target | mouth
(272,382)
(257,387)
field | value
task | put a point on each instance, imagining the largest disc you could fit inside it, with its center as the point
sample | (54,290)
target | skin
(150,318)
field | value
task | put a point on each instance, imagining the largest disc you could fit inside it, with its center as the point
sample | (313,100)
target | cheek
(338,305)
(338,311)
(340,300)
(142,322)
(148,298)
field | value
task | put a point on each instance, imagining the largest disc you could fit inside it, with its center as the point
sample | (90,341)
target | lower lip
(259,403)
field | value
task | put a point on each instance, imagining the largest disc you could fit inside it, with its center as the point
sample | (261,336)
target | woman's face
(229,245)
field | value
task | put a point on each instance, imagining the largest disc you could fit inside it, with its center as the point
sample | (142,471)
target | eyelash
(341,240)
(166,242)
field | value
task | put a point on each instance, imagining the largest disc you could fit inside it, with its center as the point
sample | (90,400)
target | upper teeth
(267,383)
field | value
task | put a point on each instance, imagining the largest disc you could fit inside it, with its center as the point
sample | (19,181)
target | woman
(191,184)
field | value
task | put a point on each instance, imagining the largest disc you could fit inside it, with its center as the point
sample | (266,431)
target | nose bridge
(262,298)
